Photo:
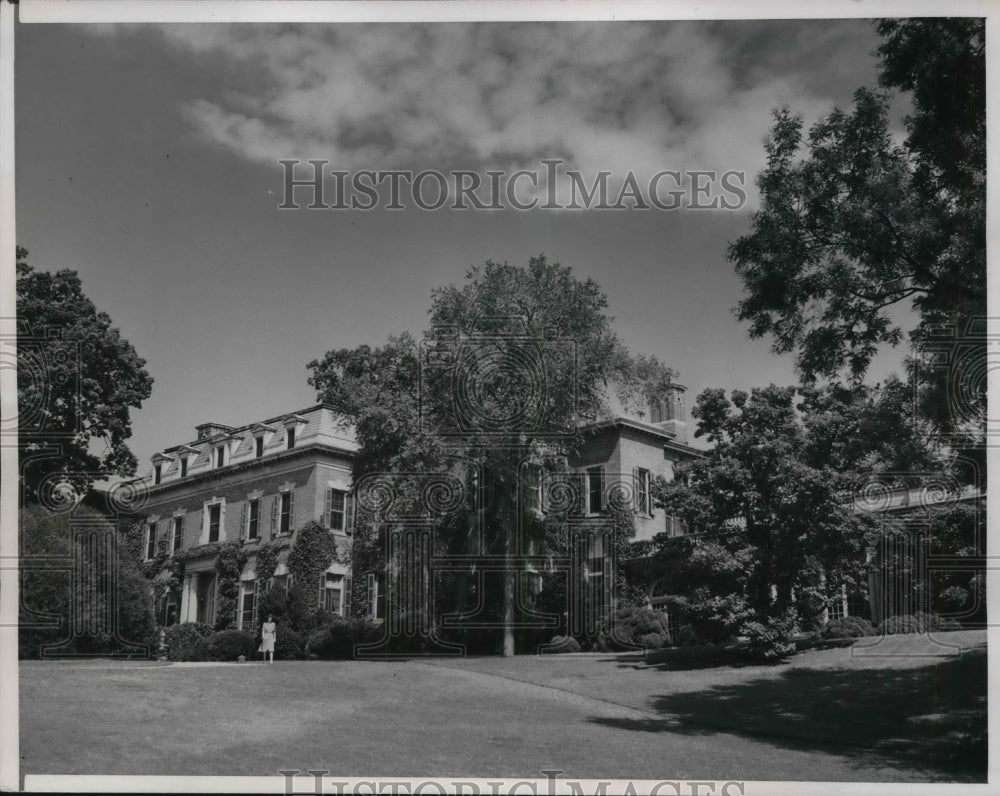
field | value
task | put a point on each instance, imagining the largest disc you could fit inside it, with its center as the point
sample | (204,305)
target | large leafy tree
(772,499)
(854,225)
(516,361)
(77,380)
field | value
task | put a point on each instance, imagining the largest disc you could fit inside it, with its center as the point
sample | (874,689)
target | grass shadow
(928,718)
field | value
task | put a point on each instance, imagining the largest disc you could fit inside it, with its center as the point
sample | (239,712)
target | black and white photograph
(493,398)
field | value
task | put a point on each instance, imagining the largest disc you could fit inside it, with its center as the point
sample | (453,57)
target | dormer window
(185,455)
(261,438)
(157,473)
(220,456)
(292,424)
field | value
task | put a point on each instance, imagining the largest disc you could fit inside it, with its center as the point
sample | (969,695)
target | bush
(848,627)
(653,641)
(290,644)
(228,645)
(919,622)
(188,642)
(337,641)
(629,625)
(563,644)
(686,636)
(770,641)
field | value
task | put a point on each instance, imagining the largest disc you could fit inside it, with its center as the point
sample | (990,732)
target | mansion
(262,482)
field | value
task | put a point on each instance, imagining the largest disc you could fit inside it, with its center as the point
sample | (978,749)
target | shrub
(770,641)
(628,625)
(848,627)
(290,644)
(686,636)
(188,642)
(919,622)
(228,645)
(563,644)
(652,641)
(712,619)
(337,641)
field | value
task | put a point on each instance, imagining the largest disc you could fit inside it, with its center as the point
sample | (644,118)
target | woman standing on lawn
(269,635)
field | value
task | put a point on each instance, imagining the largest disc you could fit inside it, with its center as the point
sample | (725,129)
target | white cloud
(637,97)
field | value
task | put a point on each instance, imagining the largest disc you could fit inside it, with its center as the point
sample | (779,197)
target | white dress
(268,635)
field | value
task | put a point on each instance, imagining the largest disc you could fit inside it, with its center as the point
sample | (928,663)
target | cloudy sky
(147,159)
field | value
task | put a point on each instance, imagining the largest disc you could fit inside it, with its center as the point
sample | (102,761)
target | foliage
(266,561)
(228,645)
(293,607)
(918,622)
(627,625)
(188,642)
(338,640)
(848,627)
(653,641)
(413,423)
(314,549)
(77,379)
(48,592)
(771,639)
(852,225)
(290,644)
(562,644)
(768,509)
(229,563)
(709,618)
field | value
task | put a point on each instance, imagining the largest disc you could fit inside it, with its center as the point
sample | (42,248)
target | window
(178,533)
(151,540)
(290,437)
(157,473)
(248,608)
(655,411)
(258,446)
(595,489)
(675,526)
(376,596)
(214,522)
(533,488)
(336,509)
(283,512)
(184,466)
(642,503)
(333,593)
(220,456)
(253,519)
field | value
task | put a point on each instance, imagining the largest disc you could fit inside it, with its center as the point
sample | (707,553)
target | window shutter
(319,593)
(244,522)
(274,514)
(346,601)
(327,507)
(291,510)
(349,513)
(635,490)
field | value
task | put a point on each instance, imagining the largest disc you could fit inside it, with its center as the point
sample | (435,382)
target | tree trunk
(510,579)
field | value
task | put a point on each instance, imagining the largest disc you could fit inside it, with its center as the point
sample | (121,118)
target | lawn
(825,715)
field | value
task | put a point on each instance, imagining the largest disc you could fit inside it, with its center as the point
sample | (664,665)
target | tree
(77,379)
(53,608)
(773,498)
(852,224)
(516,361)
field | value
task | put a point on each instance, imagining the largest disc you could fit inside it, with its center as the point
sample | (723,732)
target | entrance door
(206,598)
